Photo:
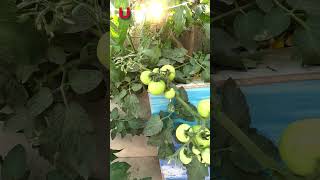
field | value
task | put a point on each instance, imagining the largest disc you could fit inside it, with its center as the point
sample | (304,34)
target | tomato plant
(148,54)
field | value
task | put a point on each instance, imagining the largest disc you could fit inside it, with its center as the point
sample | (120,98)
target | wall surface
(274,106)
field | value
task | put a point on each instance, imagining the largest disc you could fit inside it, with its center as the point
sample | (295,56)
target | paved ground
(142,158)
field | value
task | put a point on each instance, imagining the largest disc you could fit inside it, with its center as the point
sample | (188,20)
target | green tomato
(170,93)
(183,157)
(181,133)
(205,155)
(145,77)
(195,150)
(204,108)
(299,146)
(171,69)
(156,70)
(156,88)
(202,137)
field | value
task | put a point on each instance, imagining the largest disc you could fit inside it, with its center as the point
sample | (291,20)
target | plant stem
(185,105)
(241,8)
(265,161)
(65,101)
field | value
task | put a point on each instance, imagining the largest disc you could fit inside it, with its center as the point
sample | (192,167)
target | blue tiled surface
(159,103)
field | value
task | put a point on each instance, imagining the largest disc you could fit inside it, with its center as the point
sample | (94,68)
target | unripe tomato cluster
(155,80)
(197,137)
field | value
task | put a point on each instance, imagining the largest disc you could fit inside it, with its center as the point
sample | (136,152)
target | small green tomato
(170,93)
(183,157)
(171,69)
(156,88)
(145,77)
(181,133)
(204,108)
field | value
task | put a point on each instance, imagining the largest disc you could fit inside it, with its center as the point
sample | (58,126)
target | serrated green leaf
(119,171)
(118,97)
(77,119)
(275,22)
(153,126)
(165,150)
(176,54)
(83,81)
(56,55)
(15,163)
(163,61)
(265,5)
(196,170)
(83,17)
(40,101)
(246,26)
(114,113)
(136,123)
(136,86)
(132,103)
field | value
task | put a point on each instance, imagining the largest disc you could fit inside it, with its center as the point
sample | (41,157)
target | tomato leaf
(247,26)
(40,101)
(56,55)
(83,81)
(119,171)
(153,126)
(196,170)
(14,164)
(83,17)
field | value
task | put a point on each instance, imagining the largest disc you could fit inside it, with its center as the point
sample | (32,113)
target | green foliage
(258,22)
(49,67)
(196,170)
(14,165)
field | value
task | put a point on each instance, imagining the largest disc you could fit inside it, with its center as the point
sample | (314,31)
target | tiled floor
(143,167)
(142,158)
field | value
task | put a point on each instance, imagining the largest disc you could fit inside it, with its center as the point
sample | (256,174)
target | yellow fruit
(171,69)
(156,88)
(205,154)
(170,94)
(202,138)
(183,157)
(300,146)
(156,70)
(145,77)
(204,108)
(181,133)
(195,150)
